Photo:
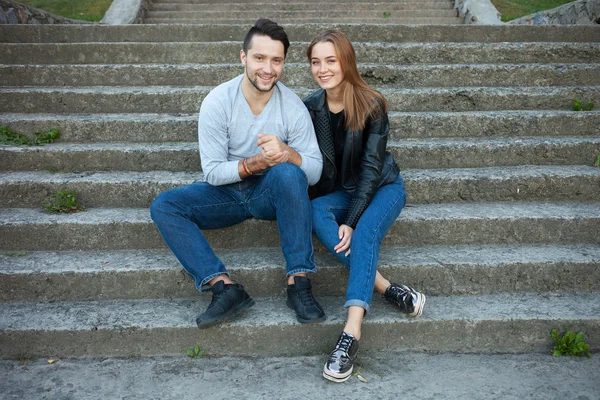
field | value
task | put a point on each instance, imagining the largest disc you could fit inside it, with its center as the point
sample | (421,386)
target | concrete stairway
(501,231)
(302,12)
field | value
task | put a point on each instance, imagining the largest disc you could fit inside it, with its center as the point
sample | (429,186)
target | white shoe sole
(421,299)
(340,379)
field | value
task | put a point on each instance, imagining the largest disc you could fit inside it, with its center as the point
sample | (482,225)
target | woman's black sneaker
(301,300)
(408,299)
(227,301)
(340,364)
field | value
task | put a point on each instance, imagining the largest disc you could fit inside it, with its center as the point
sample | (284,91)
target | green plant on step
(597,163)
(571,344)
(386,14)
(195,352)
(356,373)
(8,136)
(578,106)
(63,202)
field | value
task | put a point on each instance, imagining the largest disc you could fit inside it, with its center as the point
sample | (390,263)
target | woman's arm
(375,136)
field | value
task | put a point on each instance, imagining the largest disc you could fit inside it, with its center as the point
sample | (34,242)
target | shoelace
(400,295)
(306,296)
(342,344)
(215,299)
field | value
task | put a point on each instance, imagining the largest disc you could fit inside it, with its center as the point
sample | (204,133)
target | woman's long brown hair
(360,100)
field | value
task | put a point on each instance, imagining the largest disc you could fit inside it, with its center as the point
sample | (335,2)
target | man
(259,153)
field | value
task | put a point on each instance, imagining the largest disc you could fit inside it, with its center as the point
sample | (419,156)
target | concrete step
(366,52)
(274,3)
(495,323)
(309,20)
(339,7)
(138,189)
(91,128)
(411,153)
(315,13)
(515,376)
(160,99)
(436,270)
(422,224)
(380,76)
(301,32)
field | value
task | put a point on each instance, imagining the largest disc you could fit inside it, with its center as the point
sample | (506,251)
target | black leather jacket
(366,165)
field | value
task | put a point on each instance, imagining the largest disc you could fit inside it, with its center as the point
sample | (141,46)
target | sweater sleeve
(302,138)
(213,140)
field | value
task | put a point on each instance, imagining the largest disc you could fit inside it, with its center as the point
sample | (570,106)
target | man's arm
(213,141)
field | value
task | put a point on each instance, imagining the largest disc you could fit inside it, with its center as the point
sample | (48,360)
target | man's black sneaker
(408,299)
(301,300)
(340,364)
(227,300)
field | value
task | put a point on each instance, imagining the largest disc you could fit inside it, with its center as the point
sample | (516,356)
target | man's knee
(161,204)
(287,173)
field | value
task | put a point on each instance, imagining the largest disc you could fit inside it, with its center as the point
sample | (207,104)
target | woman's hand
(345,234)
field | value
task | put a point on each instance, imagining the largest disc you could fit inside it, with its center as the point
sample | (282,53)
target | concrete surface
(20,189)
(436,270)
(297,74)
(299,32)
(366,52)
(181,156)
(491,323)
(421,224)
(166,99)
(390,375)
(93,128)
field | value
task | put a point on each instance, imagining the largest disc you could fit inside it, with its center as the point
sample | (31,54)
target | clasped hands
(273,150)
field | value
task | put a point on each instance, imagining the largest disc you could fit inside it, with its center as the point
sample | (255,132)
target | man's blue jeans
(281,193)
(329,211)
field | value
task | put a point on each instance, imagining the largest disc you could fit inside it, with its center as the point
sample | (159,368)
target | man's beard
(255,83)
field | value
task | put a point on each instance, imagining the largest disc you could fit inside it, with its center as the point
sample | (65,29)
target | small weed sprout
(63,202)
(570,344)
(597,163)
(386,14)
(195,352)
(8,136)
(578,106)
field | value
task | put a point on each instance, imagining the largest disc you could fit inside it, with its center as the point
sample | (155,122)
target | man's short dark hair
(266,27)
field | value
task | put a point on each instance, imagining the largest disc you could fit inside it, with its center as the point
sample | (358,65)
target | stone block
(12,16)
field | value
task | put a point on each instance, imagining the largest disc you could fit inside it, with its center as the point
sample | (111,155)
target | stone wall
(478,12)
(124,12)
(581,12)
(12,12)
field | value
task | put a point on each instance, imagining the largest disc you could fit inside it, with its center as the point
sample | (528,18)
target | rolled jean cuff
(301,271)
(358,303)
(204,286)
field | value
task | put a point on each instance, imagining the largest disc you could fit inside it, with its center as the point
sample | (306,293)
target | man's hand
(345,235)
(273,150)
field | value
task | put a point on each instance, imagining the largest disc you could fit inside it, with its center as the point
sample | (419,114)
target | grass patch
(570,344)
(513,9)
(195,352)
(8,136)
(63,202)
(86,10)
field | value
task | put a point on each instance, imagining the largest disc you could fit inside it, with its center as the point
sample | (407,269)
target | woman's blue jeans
(281,193)
(329,212)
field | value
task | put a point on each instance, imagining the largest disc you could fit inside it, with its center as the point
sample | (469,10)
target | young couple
(261,148)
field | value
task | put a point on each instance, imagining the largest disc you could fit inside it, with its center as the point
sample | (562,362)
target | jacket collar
(316,100)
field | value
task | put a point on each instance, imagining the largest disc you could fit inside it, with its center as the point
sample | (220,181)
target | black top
(366,163)
(339,137)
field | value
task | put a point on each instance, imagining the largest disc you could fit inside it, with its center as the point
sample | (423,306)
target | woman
(360,193)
